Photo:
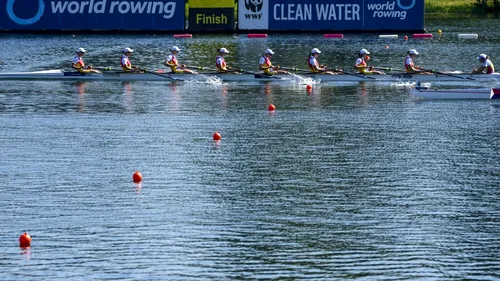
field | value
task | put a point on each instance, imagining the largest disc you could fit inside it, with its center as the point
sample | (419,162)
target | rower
(487,66)
(361,66)
(125,62)
(220,63)
(266,65)
(409,66)
(172,62)
(313,64)
(78,63)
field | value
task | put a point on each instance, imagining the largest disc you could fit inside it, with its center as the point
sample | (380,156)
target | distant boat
(484,93)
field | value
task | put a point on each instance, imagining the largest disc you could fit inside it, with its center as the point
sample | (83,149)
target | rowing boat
(485,93)
(59,74)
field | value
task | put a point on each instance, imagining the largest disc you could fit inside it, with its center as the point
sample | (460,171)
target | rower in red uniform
(266,65)
(409,66)
(78,63)
(313,64)
(220,63)
(361,65)
(125,61)
(172,62)
(487,66)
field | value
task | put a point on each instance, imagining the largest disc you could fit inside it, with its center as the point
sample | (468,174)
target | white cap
(482,57)
(315,51)
(81,50)
(128,50)
(364,51)
(175,48)
(223,50)
(413,52)
(269,51)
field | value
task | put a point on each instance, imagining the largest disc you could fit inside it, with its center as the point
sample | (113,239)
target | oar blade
(495,93)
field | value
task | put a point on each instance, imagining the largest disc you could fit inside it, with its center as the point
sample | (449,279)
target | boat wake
(204,79)
(302,80)
(403,84)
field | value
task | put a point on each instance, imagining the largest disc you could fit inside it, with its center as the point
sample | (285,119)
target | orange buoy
(406,37)
(217,136)
(309,87)
(137,177)
(271,107)
(24,240)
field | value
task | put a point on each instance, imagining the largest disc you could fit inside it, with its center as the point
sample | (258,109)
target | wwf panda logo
(254,5)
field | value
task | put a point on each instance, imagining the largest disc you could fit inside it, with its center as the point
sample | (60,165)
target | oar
(355,74)
(215,69)
(158,74)
(295,69)
(451,75)
(106,69)
(389,69)
(199,67)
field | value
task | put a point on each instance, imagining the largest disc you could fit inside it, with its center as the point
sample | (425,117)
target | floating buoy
(333,36)
(422,35)
(24,240)
(257,35)
(217,136)
(137,177)
(468,36)
(388,36)
(187,35)
(309,87)
(406,37)
(271,107)
(440,31)
(387,46)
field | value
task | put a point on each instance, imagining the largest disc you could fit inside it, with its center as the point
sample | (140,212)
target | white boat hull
(58,74)
(487,93)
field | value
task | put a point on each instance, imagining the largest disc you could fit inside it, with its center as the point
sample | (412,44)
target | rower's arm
(479,70)
(264,66)
(169,63)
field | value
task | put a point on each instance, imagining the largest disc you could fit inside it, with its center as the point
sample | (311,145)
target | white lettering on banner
(122,7)
(299,12)
(386,10)
(323,12)
(337,11)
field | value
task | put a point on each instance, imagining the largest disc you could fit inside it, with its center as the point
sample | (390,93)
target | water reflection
(127,90)
(80,90)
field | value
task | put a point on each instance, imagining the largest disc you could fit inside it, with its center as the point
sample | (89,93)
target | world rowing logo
(406,7)
(20,21)
(394,9)
(254,5)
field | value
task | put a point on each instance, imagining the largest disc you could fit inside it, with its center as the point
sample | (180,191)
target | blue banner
(346,15)
(92,15)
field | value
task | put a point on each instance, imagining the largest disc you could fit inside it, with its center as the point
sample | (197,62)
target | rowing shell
(488,93)
(58,74)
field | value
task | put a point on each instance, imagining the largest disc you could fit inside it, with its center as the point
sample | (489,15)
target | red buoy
(187,35)
(422,35)
(333,36)
(271,107)
(257,35)
(24,240)
(309,87)
(137,177)
(217,136)
(406,37)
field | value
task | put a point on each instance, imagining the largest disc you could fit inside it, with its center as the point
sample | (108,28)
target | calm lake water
(356,181)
